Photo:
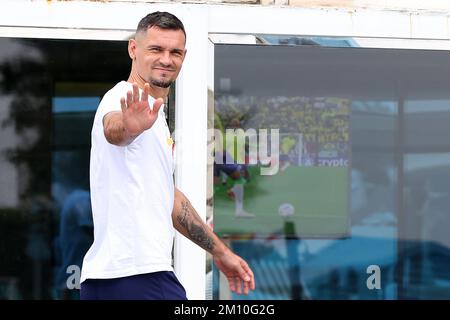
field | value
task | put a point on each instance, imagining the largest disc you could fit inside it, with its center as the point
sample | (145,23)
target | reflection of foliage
(26,80)
(319,121)
(25,232)
(327,119)
(374,107)
(232,110)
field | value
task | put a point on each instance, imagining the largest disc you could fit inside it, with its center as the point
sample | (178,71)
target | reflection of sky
(415,106)
(402,43)
(316,41)
(385,43)
(75,104)
(427,160)
(380,107)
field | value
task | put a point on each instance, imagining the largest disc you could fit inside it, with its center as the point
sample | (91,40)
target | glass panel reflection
(427,199)
(392,189)
(312,153)
(49,90)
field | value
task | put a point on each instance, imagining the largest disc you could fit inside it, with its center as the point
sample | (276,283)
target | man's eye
(155,49)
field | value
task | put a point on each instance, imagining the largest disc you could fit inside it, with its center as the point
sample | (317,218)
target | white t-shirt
(132,194)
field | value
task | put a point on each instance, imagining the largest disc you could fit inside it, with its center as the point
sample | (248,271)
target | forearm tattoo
(194,227)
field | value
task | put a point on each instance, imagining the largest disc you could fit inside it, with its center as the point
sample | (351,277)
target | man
(225,165)
(134,202)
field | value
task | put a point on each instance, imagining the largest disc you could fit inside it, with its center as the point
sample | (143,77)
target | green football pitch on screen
(312,200)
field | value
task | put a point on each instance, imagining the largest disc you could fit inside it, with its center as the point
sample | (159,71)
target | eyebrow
(176,50)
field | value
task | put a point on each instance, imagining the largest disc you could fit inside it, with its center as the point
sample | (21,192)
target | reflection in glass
(395,246)
(313,138)
(48,94)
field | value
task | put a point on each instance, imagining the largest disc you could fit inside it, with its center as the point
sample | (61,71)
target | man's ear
(132,48)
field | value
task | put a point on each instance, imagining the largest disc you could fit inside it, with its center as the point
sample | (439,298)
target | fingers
(157,104)
(135,92)
(144,96)
(129,98)
(133,97)
(232,284)
(243,271)
(245,287)
(235,284)
(122,104)
(240,277)
(249,272)
(246,277)
(237,280)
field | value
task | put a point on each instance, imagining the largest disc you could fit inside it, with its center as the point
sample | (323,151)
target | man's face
(159,55)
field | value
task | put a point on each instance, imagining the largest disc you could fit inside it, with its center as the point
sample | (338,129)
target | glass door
(49,92)
(322,149)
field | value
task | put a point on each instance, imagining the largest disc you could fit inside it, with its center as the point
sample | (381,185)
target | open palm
(136,112)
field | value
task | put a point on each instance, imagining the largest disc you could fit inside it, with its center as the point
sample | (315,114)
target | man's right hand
(137,116)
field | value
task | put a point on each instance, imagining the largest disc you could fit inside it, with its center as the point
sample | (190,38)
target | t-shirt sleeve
(109,103)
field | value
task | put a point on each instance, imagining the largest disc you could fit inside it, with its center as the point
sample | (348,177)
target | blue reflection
(314,41)
(75,104)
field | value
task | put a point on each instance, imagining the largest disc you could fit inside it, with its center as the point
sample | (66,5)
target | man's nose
(165,58)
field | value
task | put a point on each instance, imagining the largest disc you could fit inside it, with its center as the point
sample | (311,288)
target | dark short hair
(162,20)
